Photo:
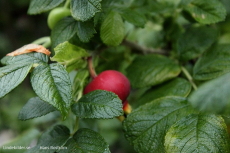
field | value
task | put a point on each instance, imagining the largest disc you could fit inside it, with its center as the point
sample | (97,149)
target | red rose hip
(110,80)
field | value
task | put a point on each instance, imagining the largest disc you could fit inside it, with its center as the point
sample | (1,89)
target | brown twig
(143,49)
(92,71)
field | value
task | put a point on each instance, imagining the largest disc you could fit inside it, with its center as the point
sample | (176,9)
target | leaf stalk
(67,4)
(189,77)
(44,41)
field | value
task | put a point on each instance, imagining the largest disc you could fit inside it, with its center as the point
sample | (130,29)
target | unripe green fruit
(57,14)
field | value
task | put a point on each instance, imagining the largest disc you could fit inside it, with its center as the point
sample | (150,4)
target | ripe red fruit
(110,80)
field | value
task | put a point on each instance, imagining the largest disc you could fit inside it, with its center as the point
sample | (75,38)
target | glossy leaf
(205,11)
(98,104)
(213,63)
(151,70)
(213,96)
(86,140)
(176,87)
(198,133)
(37,7)
(11,76)
(34,58)
(52,84)
(35,107)
(54,137)
(146,126)
(195,41)
(85,30)
(112,29)
(134,17)
(83,10)
(65,29)
(70,55)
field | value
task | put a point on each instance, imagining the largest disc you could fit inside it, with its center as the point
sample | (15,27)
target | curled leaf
(30,48)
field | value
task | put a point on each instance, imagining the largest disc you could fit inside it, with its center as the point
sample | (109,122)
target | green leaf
(98,104)
(183,3)
(11,76)
(151,36)
(86,140)
(52,84)
(112,29)
(116,58)
(171,3)
(213,63)
(63,31)
(70,55)
(30,58)
(195,41)
(160,7)
(85,30)
(54,137)
(198,133)
(176,87)
(35,107)
(149,70)
(134,17)
(205,11)
(23,140)
(83,10)
(213,96)
(172,30)
(37,7)
(79,83)
(146,126)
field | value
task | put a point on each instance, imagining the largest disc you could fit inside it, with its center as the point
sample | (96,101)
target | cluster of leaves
(52,84)
(174,53)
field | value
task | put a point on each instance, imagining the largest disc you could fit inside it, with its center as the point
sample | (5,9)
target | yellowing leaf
(70,55)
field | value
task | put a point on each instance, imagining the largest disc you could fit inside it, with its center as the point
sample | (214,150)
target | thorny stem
(92,72)
(189,77)
(143,49)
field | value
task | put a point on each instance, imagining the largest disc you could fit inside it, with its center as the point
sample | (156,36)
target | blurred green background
(17,29)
